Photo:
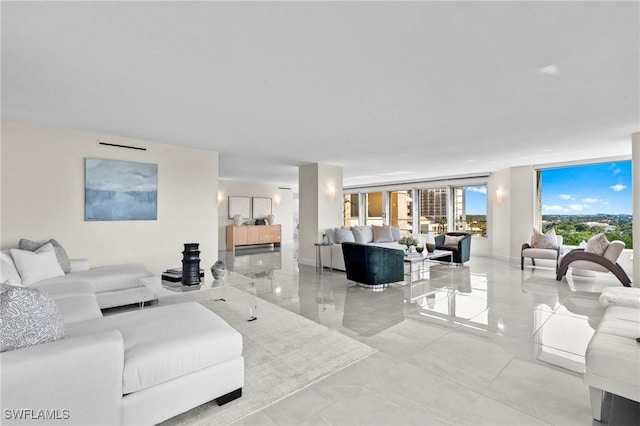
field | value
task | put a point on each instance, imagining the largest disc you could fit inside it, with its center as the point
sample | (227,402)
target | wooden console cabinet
(252,234)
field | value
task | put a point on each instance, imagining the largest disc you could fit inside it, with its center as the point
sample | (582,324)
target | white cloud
(576,207)
(566,196)
(480,189)
(618,187)
(591,200)
(553,209)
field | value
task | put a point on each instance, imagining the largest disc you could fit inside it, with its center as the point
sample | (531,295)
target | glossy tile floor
(484,343)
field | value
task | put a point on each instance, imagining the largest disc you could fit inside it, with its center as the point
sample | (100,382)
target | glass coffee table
(167,292)
(419,270)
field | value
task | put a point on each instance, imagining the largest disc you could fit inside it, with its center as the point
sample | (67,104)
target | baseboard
(307,262)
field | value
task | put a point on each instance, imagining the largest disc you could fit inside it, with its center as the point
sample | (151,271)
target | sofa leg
(229,397)
(596,395)
(522,263)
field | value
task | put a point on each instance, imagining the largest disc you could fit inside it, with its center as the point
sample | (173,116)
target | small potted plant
(409,241)
(431,247)
(419,249)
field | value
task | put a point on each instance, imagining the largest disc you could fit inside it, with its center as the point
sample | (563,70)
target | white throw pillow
(38,265)
(362,234)
(548,240)
(452,240)
(344,235)
(395,232)
(381,234)
(331,235)
(597,244)
(358,234)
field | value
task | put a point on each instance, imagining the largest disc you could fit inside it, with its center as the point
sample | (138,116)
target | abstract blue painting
(120,190)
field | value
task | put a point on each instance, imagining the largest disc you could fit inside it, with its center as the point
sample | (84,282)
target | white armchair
(533,253)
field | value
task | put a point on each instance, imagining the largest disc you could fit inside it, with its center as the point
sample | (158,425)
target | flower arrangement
(409,240)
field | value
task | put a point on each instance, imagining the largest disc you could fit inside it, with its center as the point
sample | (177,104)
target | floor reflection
(475,315)
(557,318)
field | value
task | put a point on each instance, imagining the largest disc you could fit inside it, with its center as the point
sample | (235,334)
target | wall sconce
(331,191)
(220,198)
(499,195)
(276,200)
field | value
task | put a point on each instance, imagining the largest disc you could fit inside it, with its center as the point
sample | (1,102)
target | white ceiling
(390,91)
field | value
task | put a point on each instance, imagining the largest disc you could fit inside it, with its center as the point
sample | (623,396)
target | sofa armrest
(79,378)
(79,265)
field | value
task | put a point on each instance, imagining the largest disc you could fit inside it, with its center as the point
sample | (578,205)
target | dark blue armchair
(371,265)
(460,251)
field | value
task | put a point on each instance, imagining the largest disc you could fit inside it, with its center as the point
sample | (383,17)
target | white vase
(237,220)
(270,219)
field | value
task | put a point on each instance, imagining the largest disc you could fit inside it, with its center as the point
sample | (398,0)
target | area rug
(283,353)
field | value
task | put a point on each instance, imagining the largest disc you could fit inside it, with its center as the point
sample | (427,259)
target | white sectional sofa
(612,359)
(332,254)
(113,285)
(139,367)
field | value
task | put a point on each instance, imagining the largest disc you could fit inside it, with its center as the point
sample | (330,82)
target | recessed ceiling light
(549,70)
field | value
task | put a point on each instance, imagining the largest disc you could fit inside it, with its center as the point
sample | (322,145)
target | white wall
(511,194)
(281,204)
(43,197)
(318,209)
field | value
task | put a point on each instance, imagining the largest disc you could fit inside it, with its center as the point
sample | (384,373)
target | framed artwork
(120,190)
(239,205)
(261,207)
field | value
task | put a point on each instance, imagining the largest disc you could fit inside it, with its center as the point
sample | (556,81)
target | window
(470,209)
(400,210)
(433,210)
(351,210)
(375,209)
(581,201)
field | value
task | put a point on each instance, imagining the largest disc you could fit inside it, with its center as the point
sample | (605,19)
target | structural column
(635,167)
(321,206)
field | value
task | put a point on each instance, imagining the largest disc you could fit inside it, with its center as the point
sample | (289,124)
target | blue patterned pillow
(29,317)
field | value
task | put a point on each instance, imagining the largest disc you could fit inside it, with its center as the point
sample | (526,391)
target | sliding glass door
(400,210)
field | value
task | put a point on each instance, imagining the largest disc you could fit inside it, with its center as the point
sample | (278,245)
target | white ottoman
(612,360)
(176,357)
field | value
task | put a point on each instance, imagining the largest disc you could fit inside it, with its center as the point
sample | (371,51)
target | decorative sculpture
(191,264)
(270,219)
(218,270)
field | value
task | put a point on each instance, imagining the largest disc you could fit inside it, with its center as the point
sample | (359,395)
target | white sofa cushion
(166,342)
(8,269)
(613,351)
(537,253)
(109,278)
(29,317)
(621,296)
(74,308)
(38,265)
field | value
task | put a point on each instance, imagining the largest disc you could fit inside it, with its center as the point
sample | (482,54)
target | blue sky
(476,199)
(590,189)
